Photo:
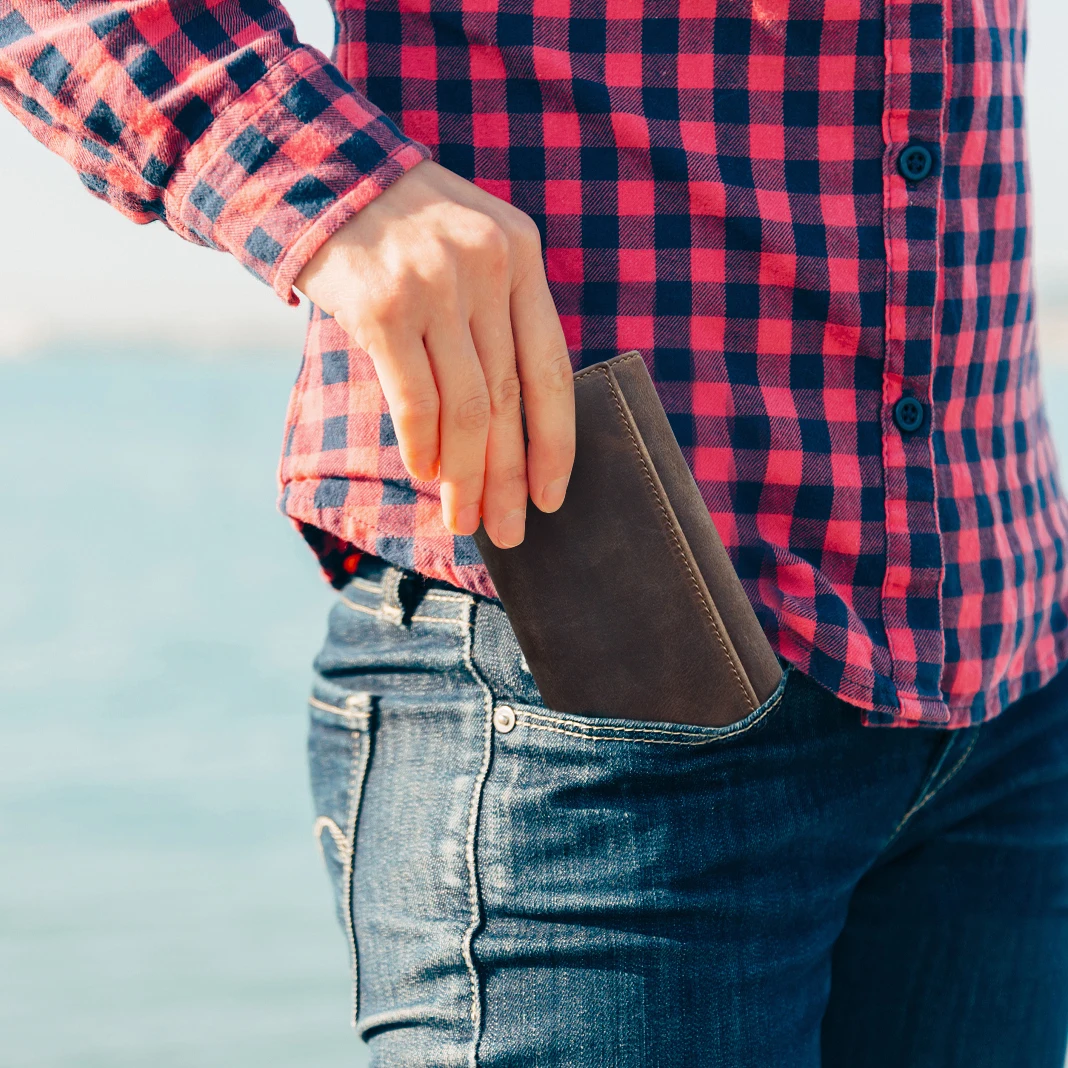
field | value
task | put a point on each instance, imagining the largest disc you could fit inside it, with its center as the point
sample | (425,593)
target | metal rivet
(504,718)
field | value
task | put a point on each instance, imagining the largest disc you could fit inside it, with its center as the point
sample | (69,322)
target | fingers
(504,497)
(443,285)
(544,369)
(404,372)
(464,421)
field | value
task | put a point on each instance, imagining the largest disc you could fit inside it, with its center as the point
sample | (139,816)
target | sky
(74,272)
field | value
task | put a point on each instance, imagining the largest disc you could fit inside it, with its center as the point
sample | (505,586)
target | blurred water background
(161,897)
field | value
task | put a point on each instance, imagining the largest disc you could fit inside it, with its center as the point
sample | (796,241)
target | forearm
(211,118)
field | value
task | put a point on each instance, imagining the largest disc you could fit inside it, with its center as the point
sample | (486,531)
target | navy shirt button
(908,414)
(915,162)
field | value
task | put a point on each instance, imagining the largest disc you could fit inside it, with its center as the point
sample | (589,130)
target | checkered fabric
(207,115)
(810,216)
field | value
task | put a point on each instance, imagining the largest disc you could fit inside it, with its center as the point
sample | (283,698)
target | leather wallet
(624,601)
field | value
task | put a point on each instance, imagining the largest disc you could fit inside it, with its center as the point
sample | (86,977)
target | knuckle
(416,412)
(438,272)
(466,488)
(556,374)
(526,233)
(505,395)
(481,244)
(393,300)
(513,478)
(473,412)
(493,244)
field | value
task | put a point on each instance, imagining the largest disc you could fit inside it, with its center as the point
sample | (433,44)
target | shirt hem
(913,710)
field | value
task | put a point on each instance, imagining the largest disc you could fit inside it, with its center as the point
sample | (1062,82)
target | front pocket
(339,754)
(644,732)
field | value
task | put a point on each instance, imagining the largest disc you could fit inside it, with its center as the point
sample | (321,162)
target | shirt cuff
(284,166)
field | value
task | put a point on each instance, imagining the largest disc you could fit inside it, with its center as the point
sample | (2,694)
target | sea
(162,901)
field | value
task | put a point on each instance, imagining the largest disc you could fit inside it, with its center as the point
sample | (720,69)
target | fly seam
(931,787)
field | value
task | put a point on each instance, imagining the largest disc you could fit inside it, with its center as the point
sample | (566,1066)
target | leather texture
(624,601)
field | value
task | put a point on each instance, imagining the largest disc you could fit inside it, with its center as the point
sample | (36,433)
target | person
(811,217)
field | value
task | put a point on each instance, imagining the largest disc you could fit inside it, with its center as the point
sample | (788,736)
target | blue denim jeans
(523,888)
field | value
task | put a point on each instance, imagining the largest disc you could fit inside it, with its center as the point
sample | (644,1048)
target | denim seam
(932,788)
(359,719)
(366,584)
(359,607)
(325,823)
(359,773)
(441,619)
(345,841)
(474,890)
(420,618)
(593,733)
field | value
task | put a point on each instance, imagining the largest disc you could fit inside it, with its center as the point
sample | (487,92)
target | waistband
(405,597)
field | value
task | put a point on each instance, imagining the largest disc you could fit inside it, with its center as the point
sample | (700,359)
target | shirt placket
(913,131)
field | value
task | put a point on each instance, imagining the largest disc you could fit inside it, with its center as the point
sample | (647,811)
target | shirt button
(504,718)
(915,162)
(908,414)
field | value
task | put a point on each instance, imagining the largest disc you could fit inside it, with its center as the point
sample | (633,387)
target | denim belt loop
(392,608)
(402,590)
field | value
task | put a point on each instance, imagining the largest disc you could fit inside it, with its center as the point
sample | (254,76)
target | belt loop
(401,592)
(392,609)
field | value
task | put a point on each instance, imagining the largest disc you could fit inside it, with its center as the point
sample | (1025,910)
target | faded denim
(520,888)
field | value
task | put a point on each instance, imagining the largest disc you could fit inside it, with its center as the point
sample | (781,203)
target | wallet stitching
(674,538)
(595,733)
(618,360)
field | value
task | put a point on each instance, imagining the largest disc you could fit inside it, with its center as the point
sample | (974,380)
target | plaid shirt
(738,188)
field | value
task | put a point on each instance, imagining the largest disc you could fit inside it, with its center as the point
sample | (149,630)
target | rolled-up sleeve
(210,117)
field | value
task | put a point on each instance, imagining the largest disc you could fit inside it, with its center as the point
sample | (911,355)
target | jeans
(524,888)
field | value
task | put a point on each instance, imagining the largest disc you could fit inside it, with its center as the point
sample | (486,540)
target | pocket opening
(647,732)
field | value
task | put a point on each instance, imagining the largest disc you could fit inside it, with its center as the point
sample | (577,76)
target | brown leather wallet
(624,601)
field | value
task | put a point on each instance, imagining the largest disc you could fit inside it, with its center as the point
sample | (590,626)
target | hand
(442,285)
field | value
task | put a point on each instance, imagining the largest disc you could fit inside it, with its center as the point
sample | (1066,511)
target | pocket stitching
(686,738)
(345,842)
(359,607)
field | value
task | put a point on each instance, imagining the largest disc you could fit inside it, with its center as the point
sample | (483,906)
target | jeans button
(908,414)
(503,718)
(915,162)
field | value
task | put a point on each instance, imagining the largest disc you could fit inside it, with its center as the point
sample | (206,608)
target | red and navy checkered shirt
(810,216)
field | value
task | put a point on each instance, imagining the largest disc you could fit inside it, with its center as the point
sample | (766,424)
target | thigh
(955,951)
(520,888)
(664,896)
(397,747)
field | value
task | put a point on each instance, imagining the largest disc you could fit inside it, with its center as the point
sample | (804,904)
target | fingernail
(467,519)
(510,528)
(554,493)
